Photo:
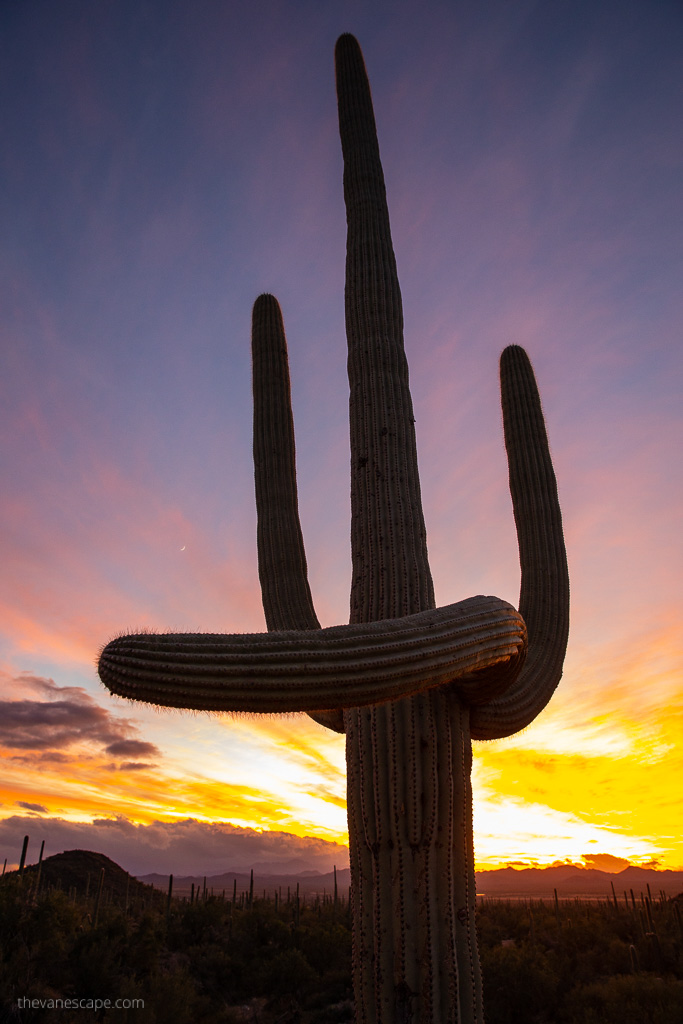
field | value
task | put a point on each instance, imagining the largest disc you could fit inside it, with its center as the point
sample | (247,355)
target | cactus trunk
(408,761)
(412,867)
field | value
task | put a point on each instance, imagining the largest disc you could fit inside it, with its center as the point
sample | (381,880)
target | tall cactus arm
(391,574)
(287,601)
(308,670)
(544,593)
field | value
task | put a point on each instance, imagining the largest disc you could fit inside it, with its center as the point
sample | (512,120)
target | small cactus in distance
(22,860)
(409,684)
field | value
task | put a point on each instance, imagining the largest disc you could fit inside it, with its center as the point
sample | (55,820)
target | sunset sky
(162,164)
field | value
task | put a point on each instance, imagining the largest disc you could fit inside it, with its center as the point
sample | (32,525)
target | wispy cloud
(38,808)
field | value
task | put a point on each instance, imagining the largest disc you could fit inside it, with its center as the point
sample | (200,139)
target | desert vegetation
(228,957)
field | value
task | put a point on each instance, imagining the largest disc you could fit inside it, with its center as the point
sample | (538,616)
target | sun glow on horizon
(589,773)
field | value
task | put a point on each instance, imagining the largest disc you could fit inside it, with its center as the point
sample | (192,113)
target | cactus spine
(408,683)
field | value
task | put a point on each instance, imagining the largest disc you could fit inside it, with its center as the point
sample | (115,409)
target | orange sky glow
(596,773)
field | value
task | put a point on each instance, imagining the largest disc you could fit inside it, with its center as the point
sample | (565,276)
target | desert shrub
(520,982)
(288,974)
(625,999)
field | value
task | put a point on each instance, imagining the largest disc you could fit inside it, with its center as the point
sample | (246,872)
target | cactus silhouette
(409,684)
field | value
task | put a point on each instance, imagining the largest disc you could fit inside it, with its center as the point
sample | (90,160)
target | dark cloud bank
(185,847)
(58,718)
(50,720)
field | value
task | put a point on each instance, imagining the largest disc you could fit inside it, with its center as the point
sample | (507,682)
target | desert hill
(81,869)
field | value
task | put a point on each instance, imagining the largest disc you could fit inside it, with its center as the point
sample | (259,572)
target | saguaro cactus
(408,683)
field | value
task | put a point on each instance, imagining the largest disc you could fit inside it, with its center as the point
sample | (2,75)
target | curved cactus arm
(544,593)
(283,573)
(342,666)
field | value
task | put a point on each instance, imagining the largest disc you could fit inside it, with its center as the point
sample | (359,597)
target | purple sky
(163,163)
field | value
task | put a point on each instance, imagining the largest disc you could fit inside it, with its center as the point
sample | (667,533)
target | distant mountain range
(80,869)
(310,883)
(513,883)
(571,881)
